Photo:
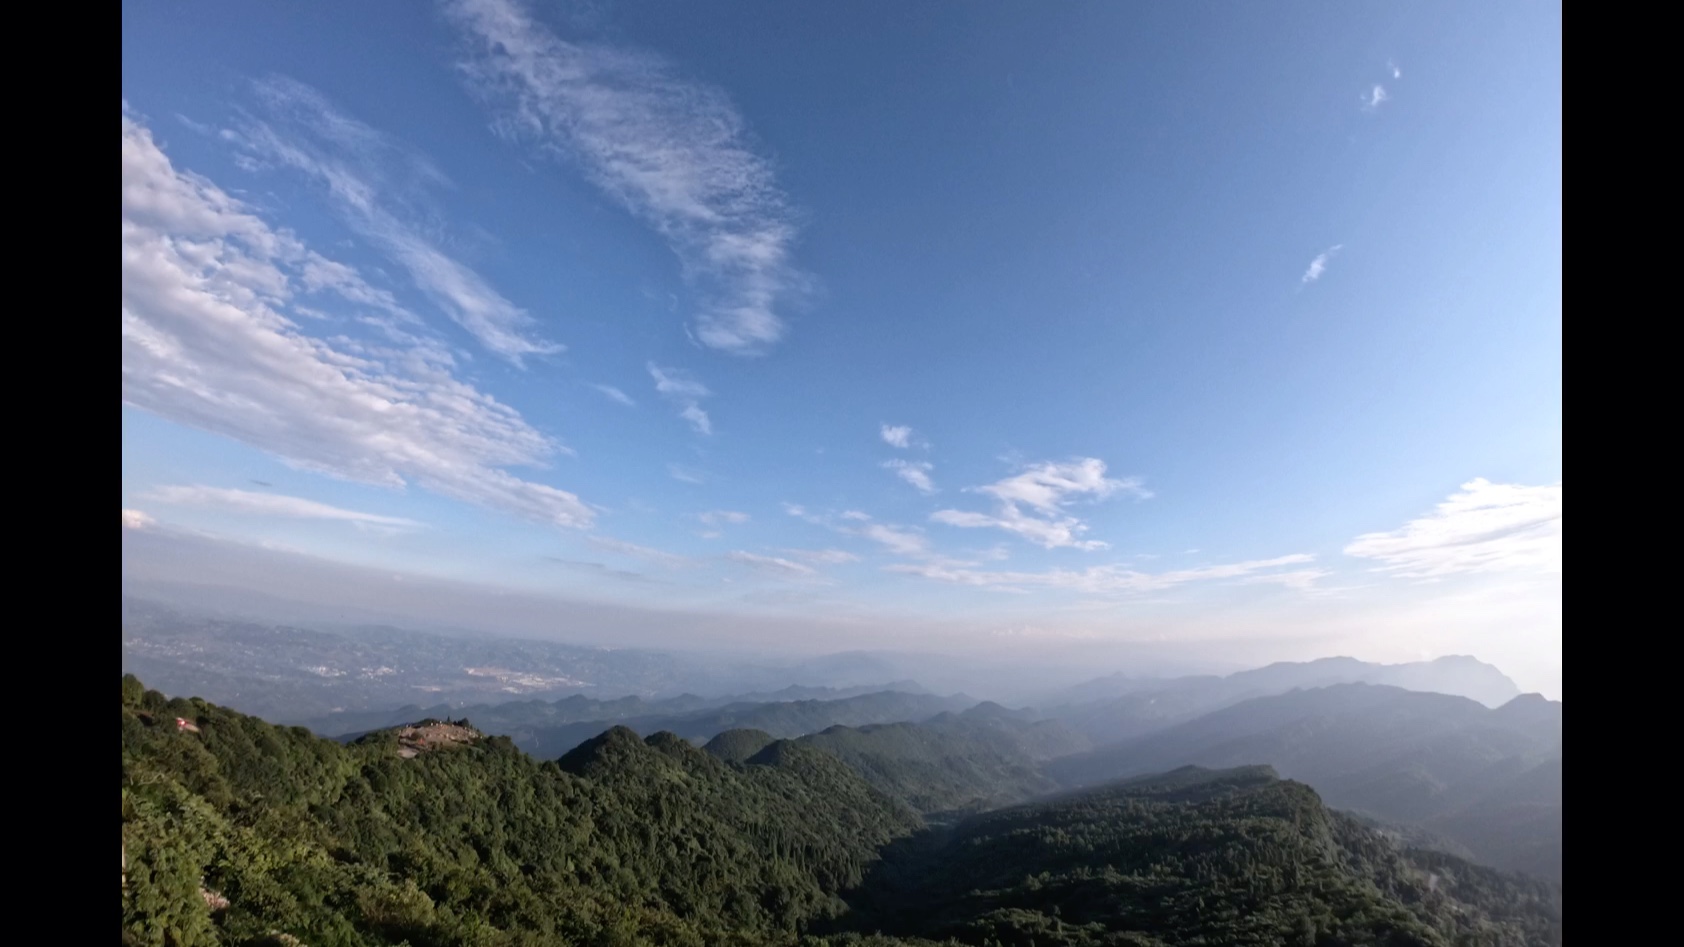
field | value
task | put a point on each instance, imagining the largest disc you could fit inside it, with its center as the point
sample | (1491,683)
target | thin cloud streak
(366,173)
(900,540)
(825,557)
(1100,580)
(645,553)
(267,504)
(685,393)
(771,564)
(616,394)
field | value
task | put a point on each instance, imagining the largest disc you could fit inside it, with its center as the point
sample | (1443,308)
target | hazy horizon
(208,575)
(1096,336)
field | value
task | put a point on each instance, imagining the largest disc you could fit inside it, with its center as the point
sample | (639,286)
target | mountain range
(238,831)
(1488,778)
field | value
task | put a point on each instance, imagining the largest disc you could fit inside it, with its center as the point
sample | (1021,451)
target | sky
(1225,331)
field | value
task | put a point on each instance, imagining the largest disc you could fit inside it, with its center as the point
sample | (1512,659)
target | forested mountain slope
(239,832)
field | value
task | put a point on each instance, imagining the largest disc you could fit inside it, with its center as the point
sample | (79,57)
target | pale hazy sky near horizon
(963,326)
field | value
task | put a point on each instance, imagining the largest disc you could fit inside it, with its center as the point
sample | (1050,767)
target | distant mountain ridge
(983,757)
(1117,707)
(781,719)
(1409,757)
(1461,675)
(513,716)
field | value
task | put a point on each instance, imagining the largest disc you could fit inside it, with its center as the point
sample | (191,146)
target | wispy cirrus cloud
(900,540)
(374,183)
(210,340)
(1484,527)
(823,557)
(1318,266)
(1104,580)
(723,517)
(772,564)
(916,473)
(1033,504)
(615,394)
(267,504)
(135,519)
(675,153)
(1374,97)
(685,393)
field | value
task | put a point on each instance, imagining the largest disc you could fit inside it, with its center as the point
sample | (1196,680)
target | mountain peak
(737,746)
(615,742)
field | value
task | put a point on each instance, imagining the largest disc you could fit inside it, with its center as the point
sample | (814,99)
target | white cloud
(1046,489)
(208,342)
(824,557)
(1318,266)
(722,517)
(897,435)
(686,393)
(1099,580)
(135,519)
(267,504)
(1395,71)
(616,394)
(1485,527)
(898,540)
(367,175)
(771,564)
(1374,97)
(697,417)
(916,473)
(675,153)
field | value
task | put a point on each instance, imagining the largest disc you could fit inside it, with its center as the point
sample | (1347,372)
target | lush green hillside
(624,842)
(1236,857)
(549,729)
(238,832)
(981,758)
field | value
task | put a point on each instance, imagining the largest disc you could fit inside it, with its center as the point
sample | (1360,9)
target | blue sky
(1232,328)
